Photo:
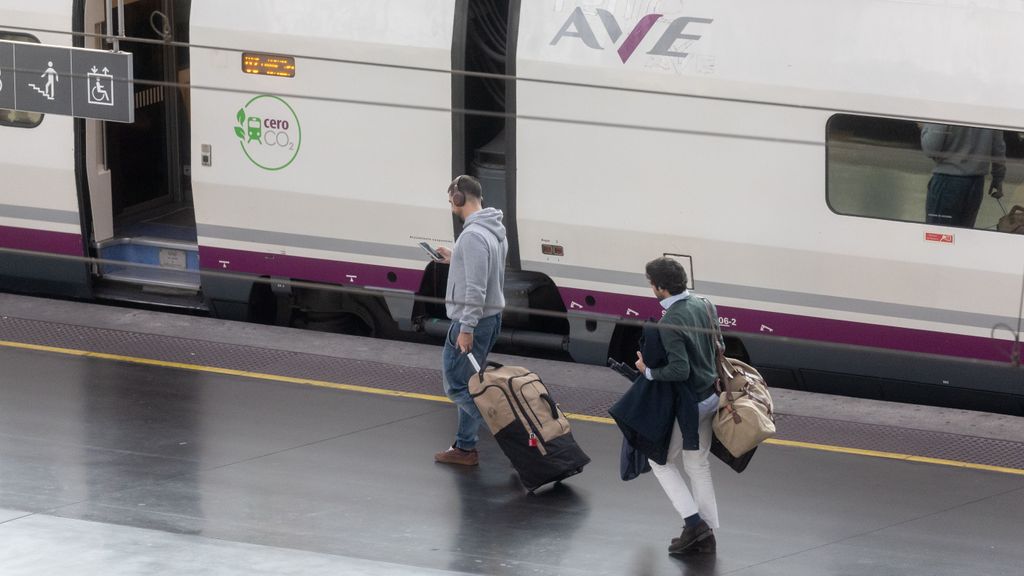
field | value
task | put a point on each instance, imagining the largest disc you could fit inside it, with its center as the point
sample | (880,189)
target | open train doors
(138,176)
(484,98)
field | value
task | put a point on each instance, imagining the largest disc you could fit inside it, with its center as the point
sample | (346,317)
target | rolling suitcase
(527,423)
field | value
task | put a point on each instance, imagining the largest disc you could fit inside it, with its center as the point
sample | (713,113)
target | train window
(13,117)
(938,174)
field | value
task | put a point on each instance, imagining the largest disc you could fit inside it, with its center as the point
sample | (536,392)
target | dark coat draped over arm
(646,412)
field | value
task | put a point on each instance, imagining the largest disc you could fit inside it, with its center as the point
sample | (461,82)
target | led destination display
(268,65)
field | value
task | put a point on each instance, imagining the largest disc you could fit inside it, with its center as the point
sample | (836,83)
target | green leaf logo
(240,129)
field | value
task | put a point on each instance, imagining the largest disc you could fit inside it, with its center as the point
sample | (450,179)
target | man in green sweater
(687,339)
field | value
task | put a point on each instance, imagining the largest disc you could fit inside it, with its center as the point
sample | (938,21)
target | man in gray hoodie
(962,156)
(474,300)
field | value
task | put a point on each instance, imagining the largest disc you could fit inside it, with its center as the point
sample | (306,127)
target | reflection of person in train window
(962,157)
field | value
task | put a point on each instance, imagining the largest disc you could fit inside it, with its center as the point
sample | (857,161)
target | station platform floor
(136,442)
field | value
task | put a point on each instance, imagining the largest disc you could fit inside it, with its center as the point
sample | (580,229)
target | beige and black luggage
(527,423)
(1013,221)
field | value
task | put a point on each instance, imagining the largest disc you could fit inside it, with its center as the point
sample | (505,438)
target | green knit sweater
(691,355)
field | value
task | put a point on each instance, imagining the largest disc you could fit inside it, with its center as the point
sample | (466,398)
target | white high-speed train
(772,146)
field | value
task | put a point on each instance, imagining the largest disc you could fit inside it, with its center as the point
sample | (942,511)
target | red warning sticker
(940,238)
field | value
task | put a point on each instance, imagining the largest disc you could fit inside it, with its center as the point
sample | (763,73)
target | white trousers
(695,464)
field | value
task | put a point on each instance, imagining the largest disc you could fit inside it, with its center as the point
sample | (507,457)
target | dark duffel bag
(527,423)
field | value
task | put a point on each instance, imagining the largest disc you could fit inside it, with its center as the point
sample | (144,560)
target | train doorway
(139,174)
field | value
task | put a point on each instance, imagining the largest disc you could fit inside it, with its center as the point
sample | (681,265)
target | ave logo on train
(679,29)
(269,132)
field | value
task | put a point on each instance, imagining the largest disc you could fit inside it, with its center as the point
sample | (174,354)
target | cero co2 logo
(269,132)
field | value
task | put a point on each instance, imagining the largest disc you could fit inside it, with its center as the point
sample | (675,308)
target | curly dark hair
(667,274)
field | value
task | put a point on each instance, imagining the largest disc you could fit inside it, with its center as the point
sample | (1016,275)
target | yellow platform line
(224,371)
(895,456)
(434,398)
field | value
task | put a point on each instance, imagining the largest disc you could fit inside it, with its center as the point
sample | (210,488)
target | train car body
(773,148)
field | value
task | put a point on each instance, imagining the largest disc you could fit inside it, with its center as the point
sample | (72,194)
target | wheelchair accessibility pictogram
(101,87)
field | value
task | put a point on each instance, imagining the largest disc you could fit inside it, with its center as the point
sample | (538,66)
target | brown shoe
(458,456)
(699,539)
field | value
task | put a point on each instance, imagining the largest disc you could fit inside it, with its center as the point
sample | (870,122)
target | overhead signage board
(103,85)
(67,81)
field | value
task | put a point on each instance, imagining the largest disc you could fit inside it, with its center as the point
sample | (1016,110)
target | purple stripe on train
(638,307)
(310,269)
(41,241)
(802,327)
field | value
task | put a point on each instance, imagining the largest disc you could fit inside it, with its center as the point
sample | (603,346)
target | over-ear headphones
(458,197)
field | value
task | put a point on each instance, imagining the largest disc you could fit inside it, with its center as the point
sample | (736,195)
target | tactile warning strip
(940,445)
(573,399)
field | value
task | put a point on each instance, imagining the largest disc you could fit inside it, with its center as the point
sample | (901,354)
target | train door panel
(98,176)
(138,174)
(97,173)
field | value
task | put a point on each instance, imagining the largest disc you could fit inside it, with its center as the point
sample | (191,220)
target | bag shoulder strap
(716,331)
(716,343)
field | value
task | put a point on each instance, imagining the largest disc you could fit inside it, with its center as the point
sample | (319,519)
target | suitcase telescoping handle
(476,365)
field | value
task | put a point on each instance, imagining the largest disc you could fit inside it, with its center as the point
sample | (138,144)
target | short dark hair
(667,274)
(467,185)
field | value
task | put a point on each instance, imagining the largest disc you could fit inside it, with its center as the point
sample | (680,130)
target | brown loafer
(458,456)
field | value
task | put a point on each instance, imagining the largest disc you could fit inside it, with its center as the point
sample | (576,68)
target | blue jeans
(456,371)
(954,200)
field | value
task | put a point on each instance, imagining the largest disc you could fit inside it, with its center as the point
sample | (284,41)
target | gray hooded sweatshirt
(964,150)
(476,278)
